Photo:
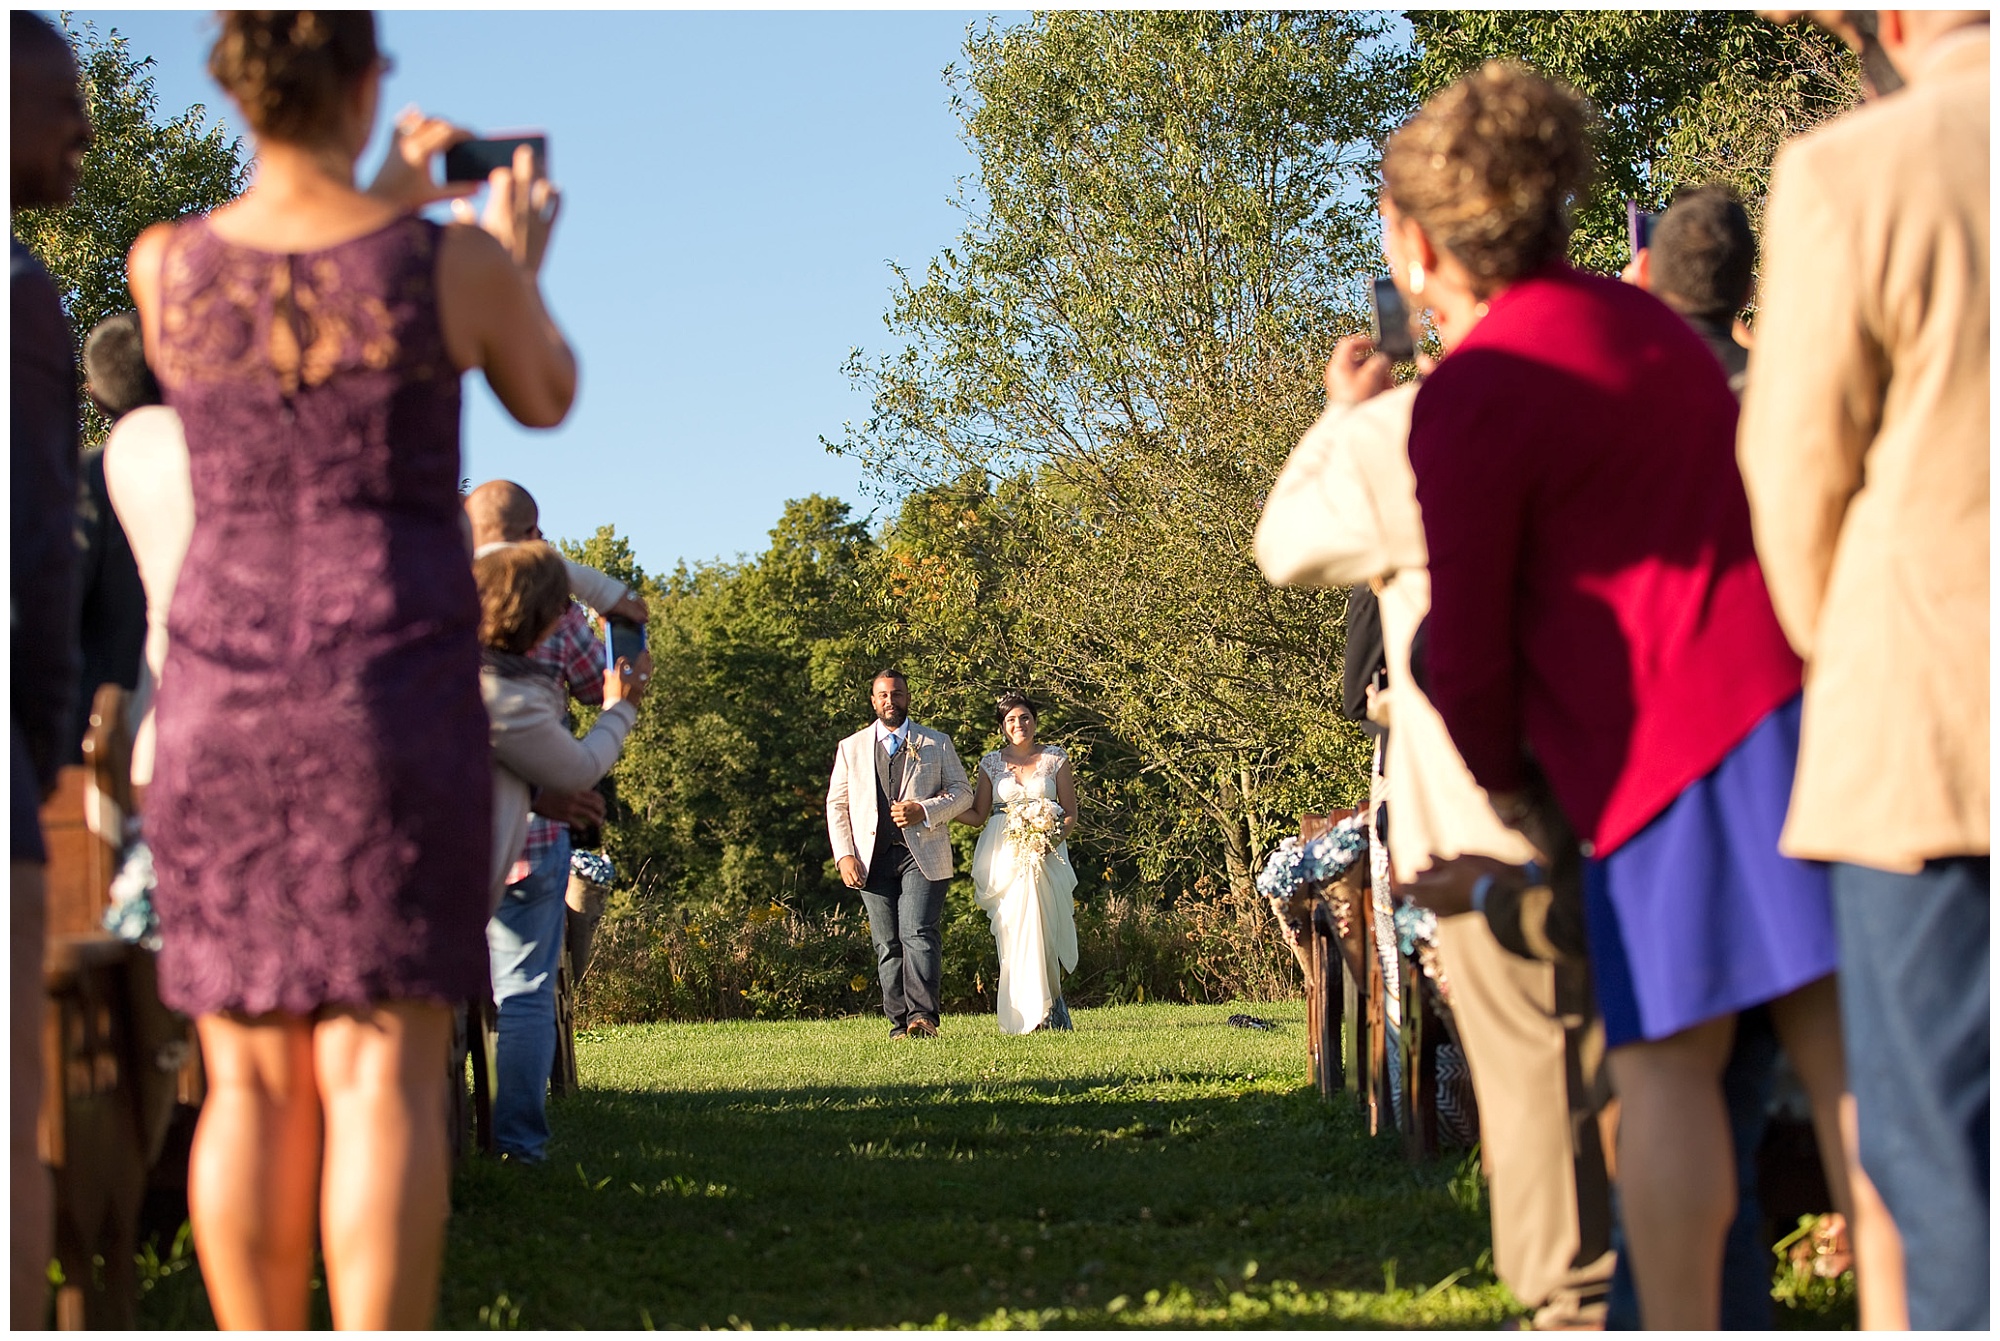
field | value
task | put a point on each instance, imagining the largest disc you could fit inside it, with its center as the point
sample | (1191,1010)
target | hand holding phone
(405,176)
(626,681)
(1638,227)
(473,160)
(521,202)
(623,640)
(1392,323)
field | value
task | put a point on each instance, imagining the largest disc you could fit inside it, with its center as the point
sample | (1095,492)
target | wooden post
(1331,998)
(562,1073)
(1422,1032)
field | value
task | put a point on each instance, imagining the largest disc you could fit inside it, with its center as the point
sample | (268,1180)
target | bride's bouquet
(1034,826)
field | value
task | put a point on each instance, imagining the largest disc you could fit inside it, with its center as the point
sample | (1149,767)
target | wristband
(1535,873)
(1480,889)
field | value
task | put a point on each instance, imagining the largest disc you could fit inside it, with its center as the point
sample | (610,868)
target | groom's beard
(892,717)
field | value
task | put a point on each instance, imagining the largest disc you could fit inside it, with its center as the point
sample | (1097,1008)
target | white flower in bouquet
(1034,826)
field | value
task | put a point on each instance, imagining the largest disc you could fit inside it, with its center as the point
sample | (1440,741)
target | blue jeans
(525,939)
(1914,987)
(904,906)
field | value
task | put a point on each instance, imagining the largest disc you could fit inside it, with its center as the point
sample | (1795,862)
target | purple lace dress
(320,811)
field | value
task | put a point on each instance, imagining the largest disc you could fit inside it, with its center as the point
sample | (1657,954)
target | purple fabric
(320,814)
(1698,914)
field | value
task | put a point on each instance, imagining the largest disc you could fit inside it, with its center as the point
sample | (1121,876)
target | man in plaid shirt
(525,935)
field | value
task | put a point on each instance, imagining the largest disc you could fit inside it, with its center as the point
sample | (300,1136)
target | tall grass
(662,963)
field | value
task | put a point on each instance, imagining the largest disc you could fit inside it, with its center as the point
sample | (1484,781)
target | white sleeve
(1319,527)
(593,588)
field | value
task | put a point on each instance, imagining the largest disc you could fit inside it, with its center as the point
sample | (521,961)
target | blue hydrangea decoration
(130,916)
(594,867)
(1328,857)
(1415,926)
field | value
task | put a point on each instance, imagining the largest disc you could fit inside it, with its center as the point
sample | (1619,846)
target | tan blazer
(1864,448)
(1344,511)
(934,776)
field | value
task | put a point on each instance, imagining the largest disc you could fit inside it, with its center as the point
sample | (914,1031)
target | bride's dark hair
(1011,699)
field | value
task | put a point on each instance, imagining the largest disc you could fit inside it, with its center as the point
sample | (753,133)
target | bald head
(502,510)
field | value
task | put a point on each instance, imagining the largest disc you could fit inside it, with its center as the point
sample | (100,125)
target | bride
(1027,897)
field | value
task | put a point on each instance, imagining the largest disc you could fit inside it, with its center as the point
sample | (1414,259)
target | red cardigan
(1595,597)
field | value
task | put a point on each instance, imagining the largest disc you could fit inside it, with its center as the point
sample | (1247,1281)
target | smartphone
(473,160)
(1638,227)
(1392,323)
(622,639)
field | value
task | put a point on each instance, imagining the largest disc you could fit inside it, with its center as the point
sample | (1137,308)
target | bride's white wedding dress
(1030,900)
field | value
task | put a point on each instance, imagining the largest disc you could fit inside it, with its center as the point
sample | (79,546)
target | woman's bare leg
(388,1161)
(1878,1245)
(1808,1024)
(1677,1171)
(253,1175)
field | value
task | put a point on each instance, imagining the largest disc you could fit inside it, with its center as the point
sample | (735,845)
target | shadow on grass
(1054,1200)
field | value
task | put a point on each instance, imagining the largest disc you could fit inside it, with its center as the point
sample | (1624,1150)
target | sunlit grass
(1155,1168)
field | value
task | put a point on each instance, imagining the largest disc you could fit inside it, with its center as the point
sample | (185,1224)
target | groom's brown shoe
(922,1028)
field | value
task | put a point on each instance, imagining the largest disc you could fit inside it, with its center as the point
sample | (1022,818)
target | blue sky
(735,185)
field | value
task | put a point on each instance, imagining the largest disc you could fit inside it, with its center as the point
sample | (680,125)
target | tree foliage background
(1080,404)
(143,167)
(1074,416)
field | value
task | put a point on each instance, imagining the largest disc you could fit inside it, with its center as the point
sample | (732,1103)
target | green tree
(759,669)
(143,167)
(1683,97)
(1174,210)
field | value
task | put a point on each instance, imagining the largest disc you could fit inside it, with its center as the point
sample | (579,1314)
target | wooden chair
(1346,1007)
(1345,1015)
(562,1075)
(474,1039)
(115,1059)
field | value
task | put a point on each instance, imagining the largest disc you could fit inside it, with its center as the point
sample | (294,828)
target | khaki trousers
(1533,1044)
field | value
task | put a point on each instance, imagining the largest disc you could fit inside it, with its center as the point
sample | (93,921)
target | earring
(1416,277)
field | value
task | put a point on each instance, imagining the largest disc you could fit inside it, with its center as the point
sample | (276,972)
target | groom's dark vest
(888,787)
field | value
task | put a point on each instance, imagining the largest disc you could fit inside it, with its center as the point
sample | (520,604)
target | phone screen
(1392,323)
(1638,227)
(473,160)
(622,639)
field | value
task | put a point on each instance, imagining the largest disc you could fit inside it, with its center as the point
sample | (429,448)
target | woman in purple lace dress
(319,809)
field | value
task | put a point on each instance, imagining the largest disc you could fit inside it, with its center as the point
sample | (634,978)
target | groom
(896,848)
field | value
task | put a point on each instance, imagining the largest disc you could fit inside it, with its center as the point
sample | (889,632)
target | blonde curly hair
(289,68)
(1492,169)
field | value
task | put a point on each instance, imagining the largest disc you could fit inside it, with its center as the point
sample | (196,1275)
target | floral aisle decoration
(1298,864)
(1416,937)
(130,915)
(594,867)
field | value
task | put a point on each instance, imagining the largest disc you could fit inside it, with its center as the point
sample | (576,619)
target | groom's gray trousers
(904,906)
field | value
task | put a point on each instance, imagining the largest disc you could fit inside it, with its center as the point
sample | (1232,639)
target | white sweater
(1344,511)
(532,748)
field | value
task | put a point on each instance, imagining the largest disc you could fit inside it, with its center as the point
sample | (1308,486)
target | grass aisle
(1155,1168)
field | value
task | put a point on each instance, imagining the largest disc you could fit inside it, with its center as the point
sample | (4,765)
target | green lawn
(1156,1167)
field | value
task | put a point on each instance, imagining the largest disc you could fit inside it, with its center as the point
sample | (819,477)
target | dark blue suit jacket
(44,662)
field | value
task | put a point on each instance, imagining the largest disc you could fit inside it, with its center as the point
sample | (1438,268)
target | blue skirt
(1698,914)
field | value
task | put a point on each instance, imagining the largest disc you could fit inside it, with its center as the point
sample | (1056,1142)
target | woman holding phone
(1598,619)
(320,808)
(523,590)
